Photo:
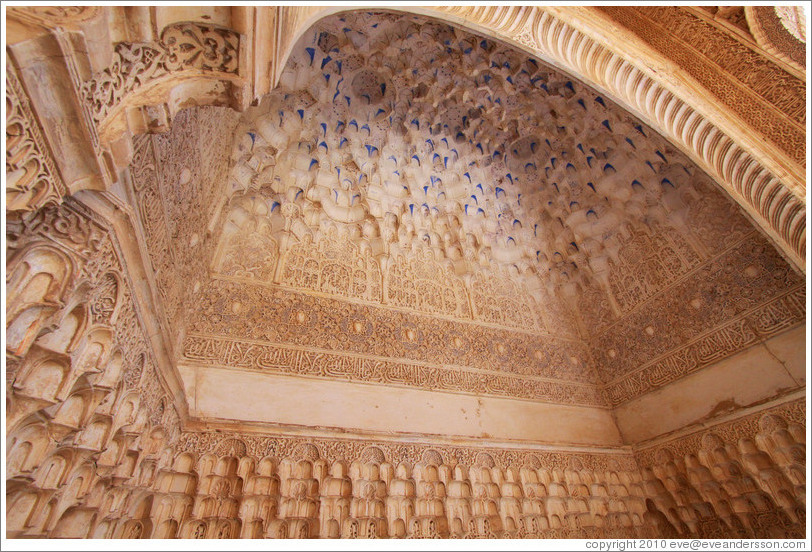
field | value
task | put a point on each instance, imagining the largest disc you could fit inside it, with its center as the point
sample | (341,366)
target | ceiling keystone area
(418,207)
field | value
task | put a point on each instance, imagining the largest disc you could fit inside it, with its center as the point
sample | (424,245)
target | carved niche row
(85,413)
(748,483)
(741,479)
(332,264)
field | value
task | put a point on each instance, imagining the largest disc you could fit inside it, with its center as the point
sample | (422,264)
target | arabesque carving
(183,47)
(418,208)
(32,179)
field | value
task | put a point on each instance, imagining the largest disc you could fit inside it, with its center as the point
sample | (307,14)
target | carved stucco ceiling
(415,192)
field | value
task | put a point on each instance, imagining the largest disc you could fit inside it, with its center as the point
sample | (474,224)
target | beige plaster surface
(752,376)
(226,394)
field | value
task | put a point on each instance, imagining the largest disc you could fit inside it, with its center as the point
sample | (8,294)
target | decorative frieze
(297,361)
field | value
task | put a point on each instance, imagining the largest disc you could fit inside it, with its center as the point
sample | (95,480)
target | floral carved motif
(183,47)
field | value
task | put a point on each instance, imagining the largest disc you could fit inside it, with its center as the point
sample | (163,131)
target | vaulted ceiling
(468,217)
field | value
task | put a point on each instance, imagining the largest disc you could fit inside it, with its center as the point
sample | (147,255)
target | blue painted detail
(666,181)
(639,128)
(325,61)
(411,208)
(479,210)
(570,166)
(301,113)
(297,195)
(510,239)
(569,85)
(658,152)
(366,127)
(591,212)
(475,199)
(651,167)
(311,52)
(425,190)
(379,112)
(589,159)
(600,101)
(370,149)
(416,123)
(324,129)
(574,245)
(591,185)
(555,184)
(348,100)
(313,162)
(339,125)
(416,158)
(517,221)
(468,176)
(637,183)
(608,166)
(323,144)
(274,205)
(574,204)
(531,164)
(629,140)
(326,78)
(354,122)
(581,103)
(606,124)
(342,142)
